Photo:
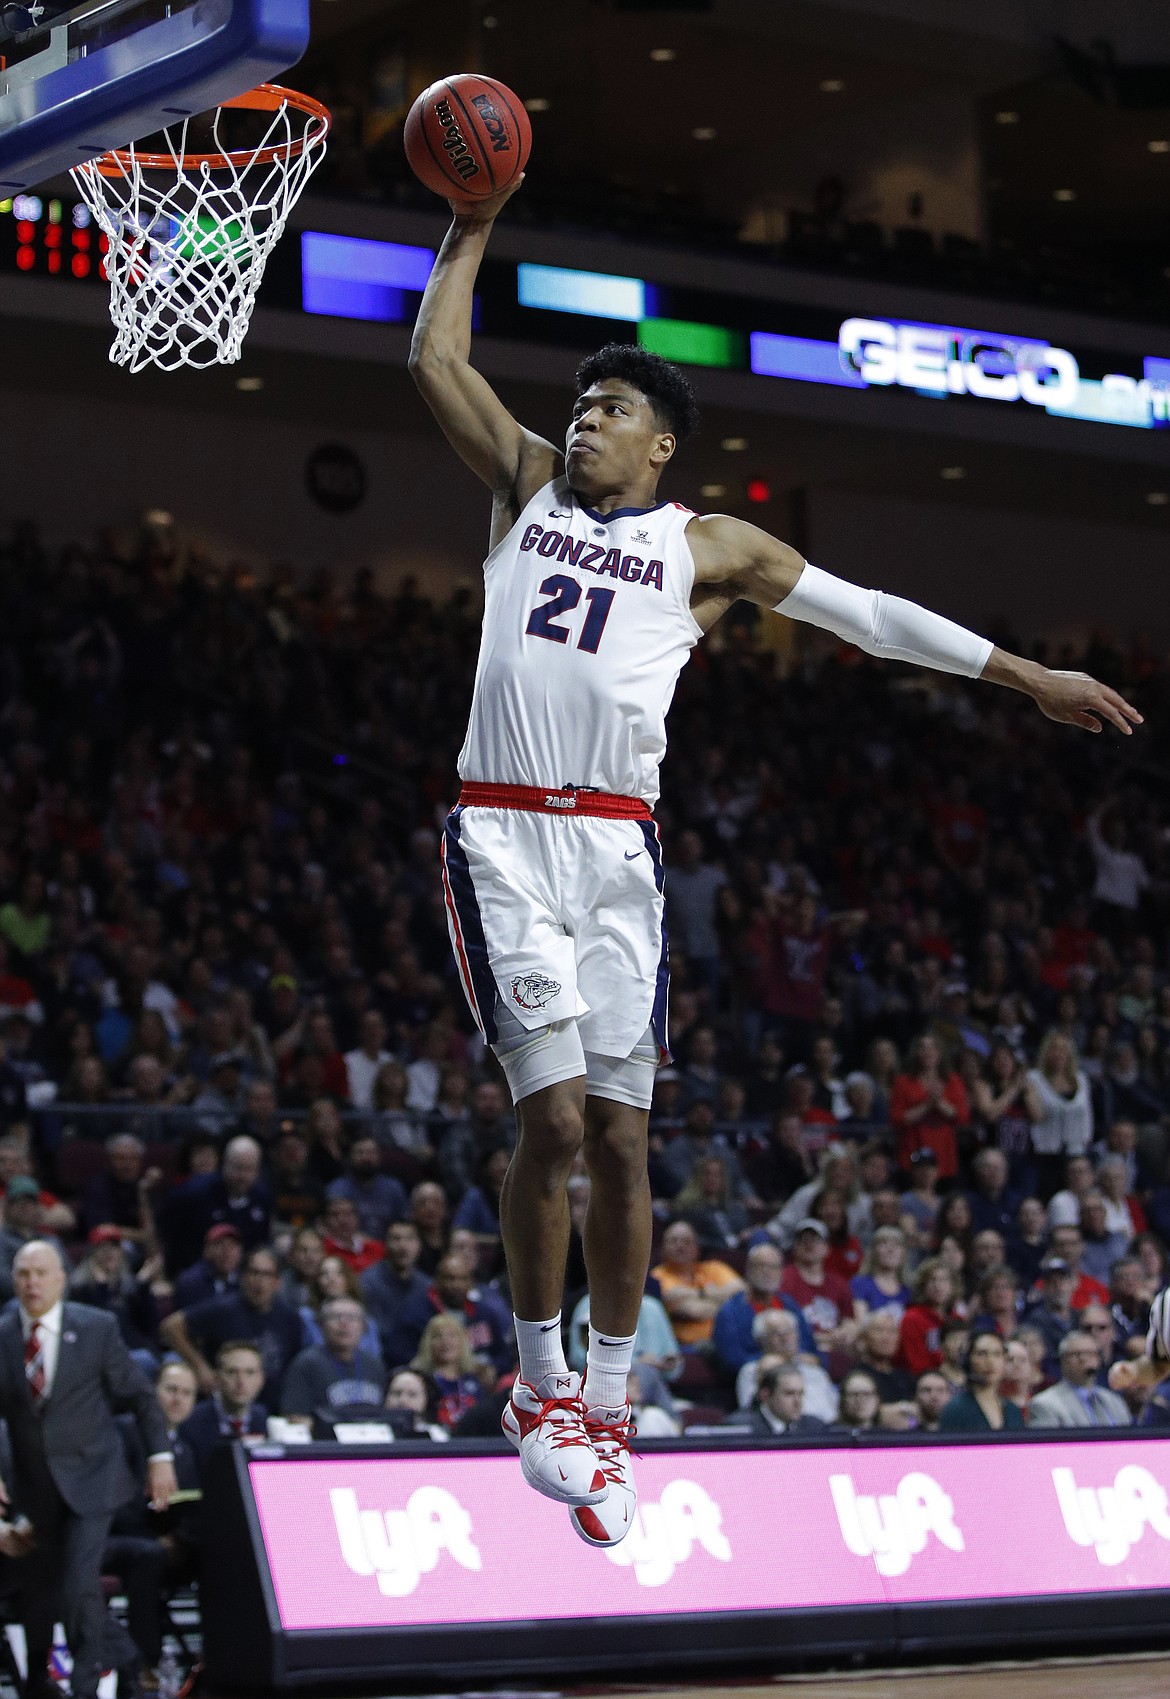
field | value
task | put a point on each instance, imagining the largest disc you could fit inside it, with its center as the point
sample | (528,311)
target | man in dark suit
(232,1411)
(779,1406)
(64,1373)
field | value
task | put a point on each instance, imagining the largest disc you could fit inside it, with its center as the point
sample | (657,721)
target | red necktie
(34,1364)
(236,1424)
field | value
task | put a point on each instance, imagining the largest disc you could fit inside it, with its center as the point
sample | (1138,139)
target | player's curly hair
(661,382)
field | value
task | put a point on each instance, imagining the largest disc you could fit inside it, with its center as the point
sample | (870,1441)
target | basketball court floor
(1139,1675)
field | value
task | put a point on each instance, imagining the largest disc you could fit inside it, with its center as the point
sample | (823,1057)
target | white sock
(609,1362)
(542,1354)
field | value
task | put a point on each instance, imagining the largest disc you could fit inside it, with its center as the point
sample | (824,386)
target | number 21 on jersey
(566,593)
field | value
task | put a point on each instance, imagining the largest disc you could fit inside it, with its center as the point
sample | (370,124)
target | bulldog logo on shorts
(533,990)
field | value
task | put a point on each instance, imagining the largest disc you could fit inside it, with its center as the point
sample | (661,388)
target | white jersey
(586,627)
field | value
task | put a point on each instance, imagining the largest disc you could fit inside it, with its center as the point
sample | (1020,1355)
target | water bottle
(170,1677)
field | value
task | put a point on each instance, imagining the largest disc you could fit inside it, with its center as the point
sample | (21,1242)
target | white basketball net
(188,245)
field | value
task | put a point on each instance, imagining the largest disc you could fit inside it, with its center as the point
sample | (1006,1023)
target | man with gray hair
(777,1336)
(64,1375)
(732,1337)
(236,1196)
(993,1203)
(1076,1401)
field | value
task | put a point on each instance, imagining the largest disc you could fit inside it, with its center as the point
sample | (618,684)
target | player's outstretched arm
(770,573)
(470,413)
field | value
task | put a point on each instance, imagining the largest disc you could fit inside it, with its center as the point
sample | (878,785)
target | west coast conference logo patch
(533,990)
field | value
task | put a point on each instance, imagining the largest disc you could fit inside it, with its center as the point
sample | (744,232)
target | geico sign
(1112,1519)
(399,1546)
(959,362)
(893,1528)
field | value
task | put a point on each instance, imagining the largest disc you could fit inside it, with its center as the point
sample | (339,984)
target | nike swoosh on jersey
(631,855)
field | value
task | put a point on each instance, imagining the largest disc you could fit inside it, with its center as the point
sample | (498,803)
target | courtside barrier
(334,1564)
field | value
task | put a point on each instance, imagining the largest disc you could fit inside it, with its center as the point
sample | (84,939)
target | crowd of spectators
(908,1160)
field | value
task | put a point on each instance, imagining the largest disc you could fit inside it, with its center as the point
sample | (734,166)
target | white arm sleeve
(886,626)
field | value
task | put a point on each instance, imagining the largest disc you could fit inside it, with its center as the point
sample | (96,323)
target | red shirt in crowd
(791,979)
(845,1257)
(823,1306)
(934,1131)
(359,1254)
(920,1347)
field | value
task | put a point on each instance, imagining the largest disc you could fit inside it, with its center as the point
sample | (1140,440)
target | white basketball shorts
(562,918)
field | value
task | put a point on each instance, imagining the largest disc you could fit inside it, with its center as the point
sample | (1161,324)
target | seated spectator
(216,1274)
(929,1108)
(337,1375)
(953,1221)
(860,1402)
(490,1125)
(920,1203)
(104,1282)
(389,1286)
(152,1552)
(998,1101)
(232,1411)
(845,1253)
(479,1209)
(445,1356)
(334,1280)
(326,1132)
(1028,1245)
(428,1211)
(998,1303)
(1064,1207)
(697,1140)
(778,1406)
(1067,1242)
(954,1338)
(1097,1322)
(256,1313)
(878,1340)
(837,1172)
(362,1064)
(875,1170)
(236,1195)
(880,1283)
(824,1299)
(988,1251)
(933,1289)
(932,1393)
(652,1420)
(24,1220)
(1021,1375)
(408,1394)
(863,1118)
(1052,1314)
(343,1237)
(297,1194)
(783,1163)
(303,1259)
(1076,1400)
(706,1202)
(121,1192)
(377,1197)
(402,1134)
(732,1336)
(692,1288)
(992,1201)
(487,1324)
(655,1345)
(1101,1248)
(981,1406)
(776,1332)
(1124,1214)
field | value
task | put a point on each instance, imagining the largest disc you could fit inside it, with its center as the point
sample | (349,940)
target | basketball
(467,136)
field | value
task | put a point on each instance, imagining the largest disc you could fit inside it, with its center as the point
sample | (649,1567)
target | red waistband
(566,801)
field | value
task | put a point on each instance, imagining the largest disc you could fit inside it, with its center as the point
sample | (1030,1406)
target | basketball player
(596,591)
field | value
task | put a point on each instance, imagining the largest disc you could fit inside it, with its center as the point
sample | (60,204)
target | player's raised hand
(485,210)
(1075,699)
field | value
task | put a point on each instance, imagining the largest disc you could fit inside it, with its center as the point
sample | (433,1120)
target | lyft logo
(665,1534)
(1112,1519)
(400,1546)
(893,1528)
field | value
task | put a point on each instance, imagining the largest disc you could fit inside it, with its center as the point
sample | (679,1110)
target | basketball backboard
(104,73)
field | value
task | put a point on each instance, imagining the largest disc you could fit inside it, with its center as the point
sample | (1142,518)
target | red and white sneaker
(555,1452)
(608,1523)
